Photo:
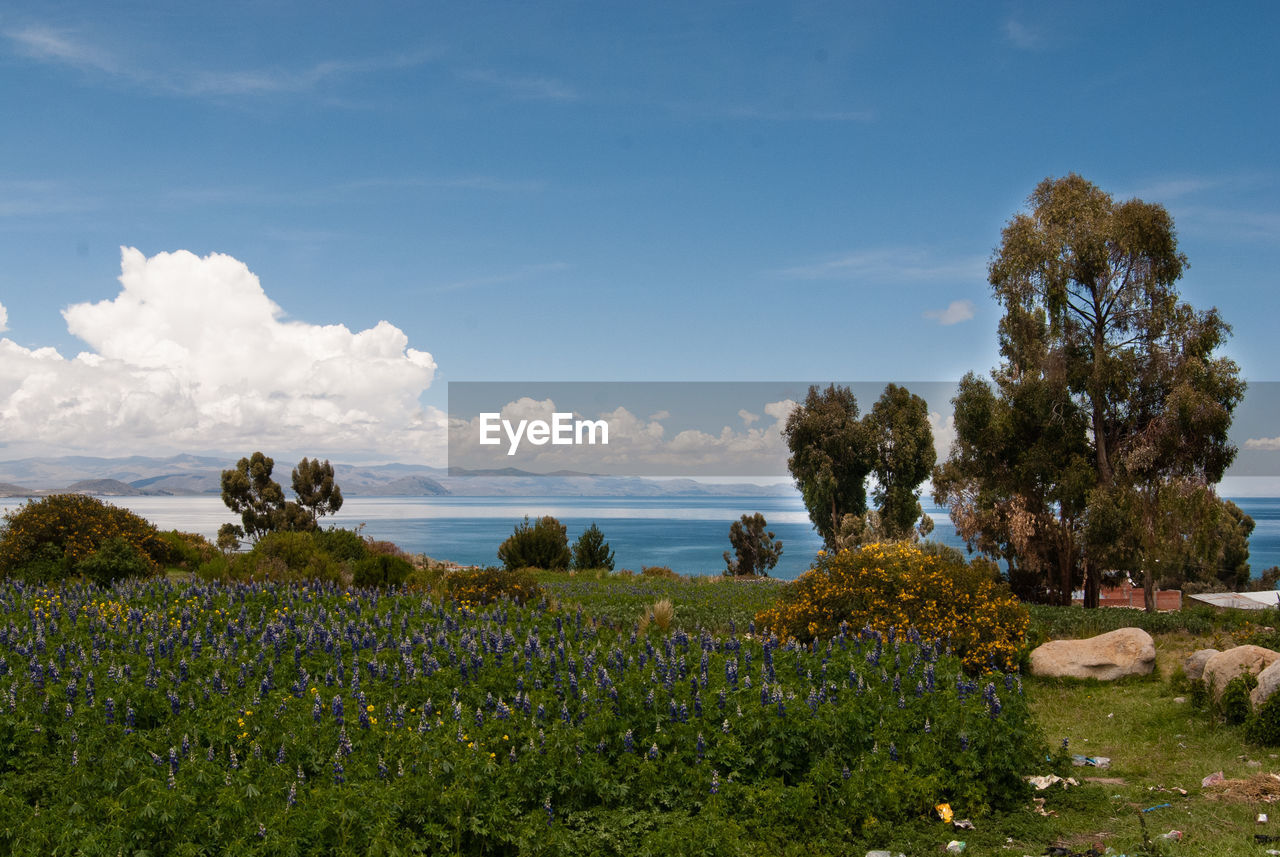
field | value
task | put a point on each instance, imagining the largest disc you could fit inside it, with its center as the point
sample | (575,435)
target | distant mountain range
(194,474)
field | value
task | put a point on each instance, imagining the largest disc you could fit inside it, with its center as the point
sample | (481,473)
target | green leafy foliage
(1264,726)
(542,544)
(591,550)
(1234,705)
(381,570)
(115,559)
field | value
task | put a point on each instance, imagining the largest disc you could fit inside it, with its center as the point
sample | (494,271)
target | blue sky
(582,191)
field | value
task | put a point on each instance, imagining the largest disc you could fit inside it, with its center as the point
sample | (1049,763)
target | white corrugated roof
(1239,600)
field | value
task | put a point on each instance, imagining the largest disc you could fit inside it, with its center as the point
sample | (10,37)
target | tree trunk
(1092,586)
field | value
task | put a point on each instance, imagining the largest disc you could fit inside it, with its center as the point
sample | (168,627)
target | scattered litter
(883,853)
(1091,761)
(1158,806)
(963,824)
(1262,818)
(1212,779)
(1180,699)
(1262,788)
(1039,807)
(1265,837)
(1173,835)
(955,846)
(1043,782)
(944,812)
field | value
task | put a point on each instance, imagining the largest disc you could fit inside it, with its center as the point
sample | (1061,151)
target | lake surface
(688,534)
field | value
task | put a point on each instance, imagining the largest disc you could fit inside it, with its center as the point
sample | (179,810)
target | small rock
(1193,666)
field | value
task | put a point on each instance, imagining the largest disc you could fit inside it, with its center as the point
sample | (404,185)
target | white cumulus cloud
(193,355)
(4,319)
(956,312)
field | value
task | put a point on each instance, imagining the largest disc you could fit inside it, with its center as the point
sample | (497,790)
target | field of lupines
(204,718)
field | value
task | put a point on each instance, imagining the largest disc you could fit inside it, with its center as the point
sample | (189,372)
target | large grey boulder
(1224,666)
(1127,651)
(1268,683)
(1193,666)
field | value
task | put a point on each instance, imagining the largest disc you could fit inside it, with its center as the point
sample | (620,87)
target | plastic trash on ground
(1043,782)
(1215,777)
(955,846)
(944,812)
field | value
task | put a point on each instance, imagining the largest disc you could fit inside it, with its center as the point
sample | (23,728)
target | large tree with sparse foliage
(1125,380)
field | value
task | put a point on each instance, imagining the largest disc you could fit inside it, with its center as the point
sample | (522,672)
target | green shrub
(1264,726)
(543,544)
(115,560)
(660,572)
(286,555)
(187,551)
(898,585)
(342,545)
(381,570)
(486,585)
(1234,706)
(45,540)
(591,550)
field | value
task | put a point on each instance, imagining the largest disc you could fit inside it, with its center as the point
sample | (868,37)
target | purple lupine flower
(628,742)
(338,777)
(653,751)
(701,747)
(292,799)
(110,708)
(551,815)
(845,772)
(337,709)
(715,781)
(893,751)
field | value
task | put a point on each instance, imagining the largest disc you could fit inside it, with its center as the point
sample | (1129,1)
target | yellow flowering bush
(47,539)
(902,586)
(484,585)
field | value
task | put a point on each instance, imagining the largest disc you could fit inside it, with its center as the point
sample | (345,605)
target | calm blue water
(688,534)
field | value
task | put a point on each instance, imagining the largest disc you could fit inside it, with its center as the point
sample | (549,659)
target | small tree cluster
(592,551)
(249,491)
(542,544)
(755,549)
(834,451)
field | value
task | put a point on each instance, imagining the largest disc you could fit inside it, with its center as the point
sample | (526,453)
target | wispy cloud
(526,87)
(1266,443)
(891,265)
(60,46)
(956,312)
(519,274)
(33,198)
(67,48)
(1022,36)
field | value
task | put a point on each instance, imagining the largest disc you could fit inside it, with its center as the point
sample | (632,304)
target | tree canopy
(1110,402)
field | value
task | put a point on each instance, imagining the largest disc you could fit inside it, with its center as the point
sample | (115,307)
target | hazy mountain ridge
(195,474)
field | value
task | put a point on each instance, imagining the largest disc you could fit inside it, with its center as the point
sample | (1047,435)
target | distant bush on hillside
(542,544)
(486,585)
